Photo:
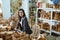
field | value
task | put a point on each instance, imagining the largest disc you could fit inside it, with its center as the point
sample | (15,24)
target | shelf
(55,21)
(55,32)
(50,9)
(55,10)
(49,21)
(44,19)
(46,9)
(45,30)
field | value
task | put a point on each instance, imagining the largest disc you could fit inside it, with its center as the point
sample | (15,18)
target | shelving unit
(45,30)
(55,32)
(50,21)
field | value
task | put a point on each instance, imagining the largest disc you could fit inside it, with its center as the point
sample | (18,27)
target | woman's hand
(14,28)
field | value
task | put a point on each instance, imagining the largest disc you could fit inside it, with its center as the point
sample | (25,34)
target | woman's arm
(26,27)
(25,24)
(18,26)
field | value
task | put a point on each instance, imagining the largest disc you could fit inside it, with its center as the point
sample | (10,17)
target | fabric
(25,26)
(21,21)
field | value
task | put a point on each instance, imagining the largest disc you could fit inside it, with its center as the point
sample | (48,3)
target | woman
(23,23)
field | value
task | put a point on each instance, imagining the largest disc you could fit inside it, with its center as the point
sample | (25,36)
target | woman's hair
(23,14)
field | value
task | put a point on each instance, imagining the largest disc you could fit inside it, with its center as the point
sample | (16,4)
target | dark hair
(23,14)
(38,12)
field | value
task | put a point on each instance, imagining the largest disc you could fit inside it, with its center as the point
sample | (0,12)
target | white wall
(6,8)
(1,6)
(49,1)
(25,6)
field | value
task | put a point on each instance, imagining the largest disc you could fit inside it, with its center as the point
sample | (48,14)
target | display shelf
(44,19)
(51,21)
(47,21)
(55,32)
(45,30)
(56,10)
(55,21)
(46,9)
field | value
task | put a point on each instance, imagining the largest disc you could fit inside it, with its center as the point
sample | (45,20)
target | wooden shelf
(50,21)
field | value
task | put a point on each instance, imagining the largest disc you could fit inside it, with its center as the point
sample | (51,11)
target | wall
(25,6)
(6,8)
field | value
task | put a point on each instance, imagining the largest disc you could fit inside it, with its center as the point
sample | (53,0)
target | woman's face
(21,13)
